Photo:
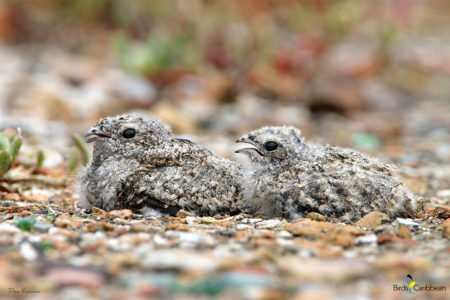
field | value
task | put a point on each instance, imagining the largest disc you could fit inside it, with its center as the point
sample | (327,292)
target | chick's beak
(95,134)
(246,140)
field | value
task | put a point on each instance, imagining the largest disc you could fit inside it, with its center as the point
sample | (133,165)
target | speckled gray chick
(290,178)
(139,164)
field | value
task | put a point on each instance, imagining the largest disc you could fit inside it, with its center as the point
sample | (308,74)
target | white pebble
(443,194)
(28,252)
(407,222)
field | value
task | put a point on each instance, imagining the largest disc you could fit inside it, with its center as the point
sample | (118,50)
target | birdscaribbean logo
(412,286)
(412,283)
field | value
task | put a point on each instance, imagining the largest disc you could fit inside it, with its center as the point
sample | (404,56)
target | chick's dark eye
(129,133)
(270,145)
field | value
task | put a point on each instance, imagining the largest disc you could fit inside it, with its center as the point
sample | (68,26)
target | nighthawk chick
(139,164)
(290,178)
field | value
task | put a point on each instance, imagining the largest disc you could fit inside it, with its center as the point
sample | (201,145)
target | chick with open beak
(252,152)
(290,178)
(95,133)
(267,145)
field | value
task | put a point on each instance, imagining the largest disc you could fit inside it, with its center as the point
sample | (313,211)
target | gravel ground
(49,249)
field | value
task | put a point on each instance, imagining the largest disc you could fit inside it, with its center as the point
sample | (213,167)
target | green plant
(74,157)
(161,52)
(10,143)
(26,224)
(46,245)
(82,147)
(40,159)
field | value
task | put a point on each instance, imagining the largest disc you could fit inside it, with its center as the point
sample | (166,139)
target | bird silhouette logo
(411,282)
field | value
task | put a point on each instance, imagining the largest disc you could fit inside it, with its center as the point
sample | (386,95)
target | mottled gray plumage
(290,178)
(153,169)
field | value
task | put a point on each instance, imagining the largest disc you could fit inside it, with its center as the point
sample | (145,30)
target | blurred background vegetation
(250,40)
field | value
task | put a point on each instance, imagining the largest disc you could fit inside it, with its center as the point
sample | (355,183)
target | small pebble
(28,251)
(407,222)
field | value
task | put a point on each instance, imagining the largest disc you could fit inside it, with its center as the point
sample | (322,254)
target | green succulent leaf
(5,160)
(15,147)
(4,143)
(40,159)
(73,159)
(79,142)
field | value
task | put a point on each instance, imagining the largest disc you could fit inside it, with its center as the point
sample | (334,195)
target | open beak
(247,149)
(95,134)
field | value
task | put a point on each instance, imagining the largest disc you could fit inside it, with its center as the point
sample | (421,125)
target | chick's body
(290,178)
(138,164)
